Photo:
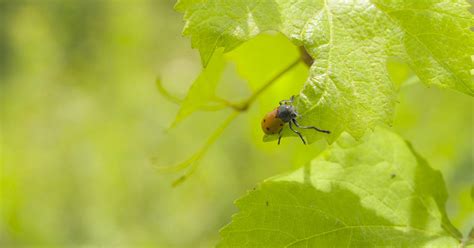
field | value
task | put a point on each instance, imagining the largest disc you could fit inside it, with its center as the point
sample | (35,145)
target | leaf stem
(193,162)
(227,103)
(246,104)
(174,99)
(166,93)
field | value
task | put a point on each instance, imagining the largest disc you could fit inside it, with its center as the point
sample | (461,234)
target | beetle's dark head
(286,113)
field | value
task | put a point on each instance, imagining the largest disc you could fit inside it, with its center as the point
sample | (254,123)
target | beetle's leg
(309,127)
(279,136)
(299,134)
(287,101)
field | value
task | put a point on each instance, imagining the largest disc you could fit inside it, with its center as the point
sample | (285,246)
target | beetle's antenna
(309,127)
(299,134)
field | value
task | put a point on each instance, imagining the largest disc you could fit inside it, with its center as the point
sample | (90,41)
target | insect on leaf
(349,87)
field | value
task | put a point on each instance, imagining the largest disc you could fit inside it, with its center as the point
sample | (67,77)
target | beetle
(274,121)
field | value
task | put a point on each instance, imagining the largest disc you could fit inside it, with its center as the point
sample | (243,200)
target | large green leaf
(377,193)
(348,88)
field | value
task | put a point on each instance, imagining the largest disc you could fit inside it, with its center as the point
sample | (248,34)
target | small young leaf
(202,91)
(377,193)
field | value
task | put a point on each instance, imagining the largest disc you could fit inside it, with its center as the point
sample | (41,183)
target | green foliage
(203,89)
(472,193)
(348,88)
(373,193)
(256,62)
(81,119)
(363,53)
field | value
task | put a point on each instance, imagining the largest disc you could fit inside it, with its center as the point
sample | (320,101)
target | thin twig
(174,99)
(165,93)
(194,160)
(254,96)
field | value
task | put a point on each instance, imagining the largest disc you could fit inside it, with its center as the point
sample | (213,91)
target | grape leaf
(348,88)
(374,193)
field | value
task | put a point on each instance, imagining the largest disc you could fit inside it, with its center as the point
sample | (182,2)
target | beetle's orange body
(271,124)
(274,121)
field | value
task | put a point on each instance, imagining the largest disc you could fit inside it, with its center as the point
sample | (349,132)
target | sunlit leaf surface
(378,193)
(348,88)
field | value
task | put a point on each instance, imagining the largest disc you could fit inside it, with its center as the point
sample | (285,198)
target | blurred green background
(81,119)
